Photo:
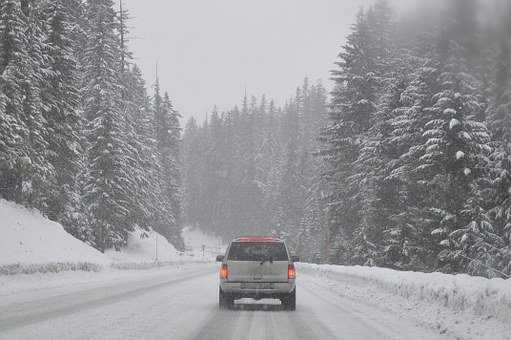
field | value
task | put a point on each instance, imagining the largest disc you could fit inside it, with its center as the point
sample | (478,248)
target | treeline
(80,139)
(407,165)
(252,170)
(418,143)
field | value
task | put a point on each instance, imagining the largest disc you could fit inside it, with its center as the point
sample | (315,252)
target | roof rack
(257,239)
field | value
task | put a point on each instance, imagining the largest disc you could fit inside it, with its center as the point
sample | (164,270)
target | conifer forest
(402,159)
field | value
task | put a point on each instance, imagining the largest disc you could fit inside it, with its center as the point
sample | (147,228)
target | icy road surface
(170,304)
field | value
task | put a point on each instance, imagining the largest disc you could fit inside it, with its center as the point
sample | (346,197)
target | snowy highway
(183,304)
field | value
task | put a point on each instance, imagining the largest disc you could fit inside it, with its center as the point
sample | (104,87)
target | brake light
(291,272)
(257,239)
(224,272)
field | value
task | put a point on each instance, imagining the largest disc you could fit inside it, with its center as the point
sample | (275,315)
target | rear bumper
(278,290)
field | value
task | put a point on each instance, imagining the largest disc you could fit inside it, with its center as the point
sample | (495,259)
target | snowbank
(487,298)
(145,247)
(11,286)
(30,242)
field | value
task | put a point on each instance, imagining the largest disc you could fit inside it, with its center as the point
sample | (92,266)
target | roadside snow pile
(144,247)
(31,243)
(489,299)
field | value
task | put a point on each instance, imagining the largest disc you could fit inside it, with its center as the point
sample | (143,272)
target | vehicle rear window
(257,251)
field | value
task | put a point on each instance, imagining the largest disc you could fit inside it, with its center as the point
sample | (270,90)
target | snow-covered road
(170,304)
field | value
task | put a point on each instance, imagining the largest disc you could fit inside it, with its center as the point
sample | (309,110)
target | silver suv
(258,268)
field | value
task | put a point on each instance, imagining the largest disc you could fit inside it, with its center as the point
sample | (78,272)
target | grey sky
(209,50)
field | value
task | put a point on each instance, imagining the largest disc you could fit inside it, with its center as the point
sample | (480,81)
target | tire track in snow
(253,321)
(367,319)
(220,325)
(20,315)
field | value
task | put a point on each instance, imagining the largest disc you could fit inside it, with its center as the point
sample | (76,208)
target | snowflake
(449,112)
(445,243)
(454,122)
(438,231)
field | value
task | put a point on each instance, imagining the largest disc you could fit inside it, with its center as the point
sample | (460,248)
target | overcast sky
(209,50)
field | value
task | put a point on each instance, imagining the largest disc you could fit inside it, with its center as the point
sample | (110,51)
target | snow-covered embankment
(31,243)
(436,298)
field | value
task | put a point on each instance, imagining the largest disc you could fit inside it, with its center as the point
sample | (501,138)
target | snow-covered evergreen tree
(191,172)
(168,145)
(312,238)
(353,104)
(408,238)
(291,188)
(498,92)
(28,174)
(13,129)
(457,146)
(139,134)
(60,94)
(106,192)
(77,134)
(40,179)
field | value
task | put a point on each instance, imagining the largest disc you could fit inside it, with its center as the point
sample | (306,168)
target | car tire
(289,302)
(224,300)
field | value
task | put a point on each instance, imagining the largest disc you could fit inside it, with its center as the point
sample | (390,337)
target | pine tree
(377,194)
(141,153)
(174,139)
(456,144)
(353,103)
(106,192)
(498,92)
(312,240)
(270,164)
(61,97)
(40,183)
(13,129)
(408,240)
(168,146)
(27,174)
(191,173)
(292,191)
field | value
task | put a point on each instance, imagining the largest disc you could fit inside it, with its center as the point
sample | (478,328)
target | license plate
(248,285)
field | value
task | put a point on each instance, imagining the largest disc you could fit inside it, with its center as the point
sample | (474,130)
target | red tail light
(291,272)
(224,272)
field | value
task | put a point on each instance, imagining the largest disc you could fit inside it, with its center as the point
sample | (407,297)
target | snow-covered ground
(145,247)
(196,239)
(459,305)
(148,247)
(31,243)
(27,238)
(181,303)
(179,299)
